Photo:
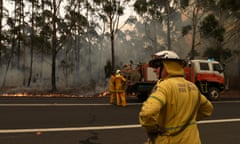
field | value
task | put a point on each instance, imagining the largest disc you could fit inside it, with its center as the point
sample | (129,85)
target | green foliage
(140,6)
(233,5)
(184,3)
(210,27)
(112,7)
(217,53)
(152,8)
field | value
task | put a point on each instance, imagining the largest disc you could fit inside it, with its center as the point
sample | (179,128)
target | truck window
(204,66)
(217,67)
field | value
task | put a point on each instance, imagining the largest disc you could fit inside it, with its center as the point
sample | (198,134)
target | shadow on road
(90,139)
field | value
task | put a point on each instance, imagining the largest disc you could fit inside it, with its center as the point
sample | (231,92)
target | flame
(103,94)
(28,94)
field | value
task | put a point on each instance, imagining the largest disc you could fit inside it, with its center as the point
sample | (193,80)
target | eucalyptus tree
(91,35)
(195,11)
(16,38)
(43,35)
(59,33)
(160,10)
(231,11)
(34,9)
(148,10)
(1,35)
(3,38)
(137,47)
(19,29)
(213,31)
(55,29)
(110,12)
(77,24)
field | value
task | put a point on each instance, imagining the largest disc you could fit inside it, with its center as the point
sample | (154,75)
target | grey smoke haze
(136,49)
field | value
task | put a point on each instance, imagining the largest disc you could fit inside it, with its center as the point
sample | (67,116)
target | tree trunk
(112,46)
(1,38)
(31,48)
(168,26)
(54,47)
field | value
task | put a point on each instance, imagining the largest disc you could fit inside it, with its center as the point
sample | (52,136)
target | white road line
(219,121)
(232,101)
(58,104)
(90,104)
(7,131)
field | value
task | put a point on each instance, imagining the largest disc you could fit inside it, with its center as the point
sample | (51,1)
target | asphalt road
(93,121)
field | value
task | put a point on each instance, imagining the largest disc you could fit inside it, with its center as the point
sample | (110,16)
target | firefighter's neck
(164,73)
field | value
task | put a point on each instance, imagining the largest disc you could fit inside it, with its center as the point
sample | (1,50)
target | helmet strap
(160,72)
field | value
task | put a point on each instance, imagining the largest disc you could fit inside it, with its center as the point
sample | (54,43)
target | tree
(110,12)
(211,29)
(16,38)
(194,11)
(233,5)
(56,30)
(33,14)
(231,17)
(157,10)
(80,26)
(1,35)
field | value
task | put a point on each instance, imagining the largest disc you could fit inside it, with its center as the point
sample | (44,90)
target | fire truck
(208,75)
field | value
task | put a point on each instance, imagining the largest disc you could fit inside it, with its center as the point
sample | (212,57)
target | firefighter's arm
(205,108)
(149,114)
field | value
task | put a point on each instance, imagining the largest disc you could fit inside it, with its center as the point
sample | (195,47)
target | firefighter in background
(120,82)
(170,113)
(112,88)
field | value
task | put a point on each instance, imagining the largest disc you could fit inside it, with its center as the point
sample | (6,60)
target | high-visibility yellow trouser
(121,98)
(112,97)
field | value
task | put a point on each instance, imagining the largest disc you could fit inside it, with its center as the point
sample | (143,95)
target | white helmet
(118,71)
(165,55)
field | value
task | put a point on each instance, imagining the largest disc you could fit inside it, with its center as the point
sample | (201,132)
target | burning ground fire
(32,92)
(27,94)
(103,94)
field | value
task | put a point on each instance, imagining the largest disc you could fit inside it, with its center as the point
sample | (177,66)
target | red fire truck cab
(206,74)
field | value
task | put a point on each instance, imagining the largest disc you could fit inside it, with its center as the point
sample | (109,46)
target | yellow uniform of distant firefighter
(112,88)
(120,82)
(170,113)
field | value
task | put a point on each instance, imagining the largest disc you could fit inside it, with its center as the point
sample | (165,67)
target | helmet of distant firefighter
(118,71)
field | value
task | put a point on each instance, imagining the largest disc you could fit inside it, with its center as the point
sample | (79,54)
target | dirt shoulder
(81,92)
(231,94)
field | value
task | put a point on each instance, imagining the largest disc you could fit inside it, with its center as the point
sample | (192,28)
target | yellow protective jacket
(119,83)
(112,84)
(174,103)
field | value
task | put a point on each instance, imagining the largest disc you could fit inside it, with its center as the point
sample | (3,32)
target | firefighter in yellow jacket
(170,113)
(120,82)
(112,88)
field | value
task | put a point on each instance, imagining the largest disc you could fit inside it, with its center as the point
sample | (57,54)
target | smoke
(130,45)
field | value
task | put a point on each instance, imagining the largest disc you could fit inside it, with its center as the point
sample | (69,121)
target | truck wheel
(213,93)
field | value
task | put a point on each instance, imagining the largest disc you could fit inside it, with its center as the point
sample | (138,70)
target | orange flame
(103,94)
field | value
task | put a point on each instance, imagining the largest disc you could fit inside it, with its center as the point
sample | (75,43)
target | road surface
(94,121)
